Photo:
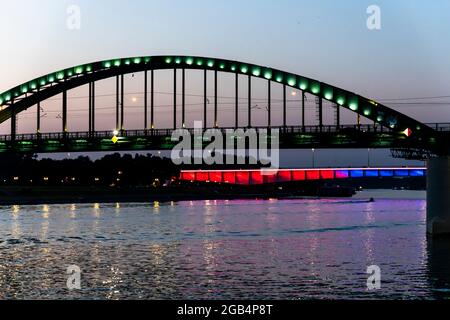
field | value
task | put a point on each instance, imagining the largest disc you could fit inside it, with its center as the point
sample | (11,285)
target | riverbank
(242,243)
(76,195)
(16,195)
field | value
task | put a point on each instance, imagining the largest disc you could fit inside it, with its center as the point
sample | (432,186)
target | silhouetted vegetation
(111,170)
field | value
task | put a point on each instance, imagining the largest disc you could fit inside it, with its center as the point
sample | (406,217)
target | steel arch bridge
(390,128)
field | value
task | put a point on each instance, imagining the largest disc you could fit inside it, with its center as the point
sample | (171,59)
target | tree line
(110,170)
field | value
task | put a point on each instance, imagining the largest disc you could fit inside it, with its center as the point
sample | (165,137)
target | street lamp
(313,157)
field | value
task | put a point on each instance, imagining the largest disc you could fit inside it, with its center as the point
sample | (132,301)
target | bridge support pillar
(303,110)
(438,196)
(236,101)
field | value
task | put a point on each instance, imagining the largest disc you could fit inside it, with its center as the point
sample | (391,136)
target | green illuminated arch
(30,93)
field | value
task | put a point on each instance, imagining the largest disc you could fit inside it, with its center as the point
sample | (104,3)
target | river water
(285,249)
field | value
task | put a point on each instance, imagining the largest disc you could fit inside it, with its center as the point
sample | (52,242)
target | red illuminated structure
(270,176)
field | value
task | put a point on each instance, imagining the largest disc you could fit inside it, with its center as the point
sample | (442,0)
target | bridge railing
(439,126)
(168,132)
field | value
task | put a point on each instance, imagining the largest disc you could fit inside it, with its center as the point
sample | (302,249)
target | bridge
(386,127)
(408,137)
(270,176)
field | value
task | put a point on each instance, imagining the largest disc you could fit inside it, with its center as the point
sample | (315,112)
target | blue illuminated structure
(265,176)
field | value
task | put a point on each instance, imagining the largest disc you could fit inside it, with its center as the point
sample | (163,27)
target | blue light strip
(339,173)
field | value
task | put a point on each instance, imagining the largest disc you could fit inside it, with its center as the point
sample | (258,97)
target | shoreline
(133,199)
(10,196)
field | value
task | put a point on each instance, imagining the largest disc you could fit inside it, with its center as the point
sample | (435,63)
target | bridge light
(315,88)
(244,69)
(353,103)
(178,60)
(189,61)
(117,63)
(199,62)
(328,95)
(303,85)
(106,64)
(137,60)
(341,101)
(407,132)
(127,62)
(268,74)
(222,66)
(210,63)
(367,112)
(256,71)
(279,78)
(291,82)
(79,70)
(233,67)
(168,60)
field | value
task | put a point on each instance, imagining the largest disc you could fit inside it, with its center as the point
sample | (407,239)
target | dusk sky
(407,58)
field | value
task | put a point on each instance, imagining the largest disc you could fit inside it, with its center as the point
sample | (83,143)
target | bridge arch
(24,96)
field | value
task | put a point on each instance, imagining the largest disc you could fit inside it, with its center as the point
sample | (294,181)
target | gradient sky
(327,40)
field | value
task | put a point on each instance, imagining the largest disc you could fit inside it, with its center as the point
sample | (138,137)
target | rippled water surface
(292,249)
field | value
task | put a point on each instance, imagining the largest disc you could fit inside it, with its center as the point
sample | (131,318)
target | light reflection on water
(290,249)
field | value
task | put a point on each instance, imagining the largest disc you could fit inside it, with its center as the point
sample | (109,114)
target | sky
(326,40)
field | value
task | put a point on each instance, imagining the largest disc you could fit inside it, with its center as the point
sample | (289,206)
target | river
(274,249)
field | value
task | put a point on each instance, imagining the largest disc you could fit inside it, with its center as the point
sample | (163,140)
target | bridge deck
(291,137)
(168,132)
(267,176)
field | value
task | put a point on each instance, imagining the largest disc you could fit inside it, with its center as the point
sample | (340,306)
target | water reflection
(294,249)
(438,268)
(369,234)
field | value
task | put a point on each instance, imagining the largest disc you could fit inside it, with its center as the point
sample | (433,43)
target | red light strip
(267,176)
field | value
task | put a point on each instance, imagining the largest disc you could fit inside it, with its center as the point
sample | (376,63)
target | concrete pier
(438,196)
